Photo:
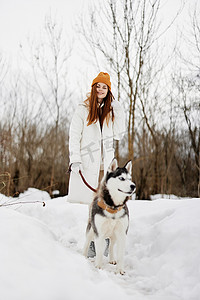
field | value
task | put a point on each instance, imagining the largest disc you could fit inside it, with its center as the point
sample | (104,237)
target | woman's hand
(76,167)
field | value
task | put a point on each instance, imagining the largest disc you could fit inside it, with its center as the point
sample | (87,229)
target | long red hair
(92,104)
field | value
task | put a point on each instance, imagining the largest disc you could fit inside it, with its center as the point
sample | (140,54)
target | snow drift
(41,258)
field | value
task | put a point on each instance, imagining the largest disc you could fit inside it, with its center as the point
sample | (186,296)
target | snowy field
(41,259)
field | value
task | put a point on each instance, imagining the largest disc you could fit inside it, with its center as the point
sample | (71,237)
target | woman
(96,122)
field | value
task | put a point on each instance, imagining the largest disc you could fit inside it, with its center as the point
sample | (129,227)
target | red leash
(86,183)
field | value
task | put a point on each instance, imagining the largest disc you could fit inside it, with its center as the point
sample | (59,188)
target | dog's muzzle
(132,190)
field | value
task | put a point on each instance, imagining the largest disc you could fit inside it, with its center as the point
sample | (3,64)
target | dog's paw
(120,271)
(112,262)
(98,266)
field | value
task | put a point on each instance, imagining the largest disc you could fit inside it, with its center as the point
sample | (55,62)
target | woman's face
(102,90)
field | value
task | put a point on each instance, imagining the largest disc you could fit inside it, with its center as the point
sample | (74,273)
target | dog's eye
(121,178)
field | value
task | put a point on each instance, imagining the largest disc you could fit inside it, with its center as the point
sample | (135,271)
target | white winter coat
(86,145)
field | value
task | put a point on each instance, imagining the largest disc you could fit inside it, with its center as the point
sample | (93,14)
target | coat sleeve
(75,135)
(119,120)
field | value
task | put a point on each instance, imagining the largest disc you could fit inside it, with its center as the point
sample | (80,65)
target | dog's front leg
(120,253)
(89,238)
(86,246)
(99,246)
(111,250)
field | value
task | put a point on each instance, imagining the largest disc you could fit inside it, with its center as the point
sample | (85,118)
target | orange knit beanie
(104,78)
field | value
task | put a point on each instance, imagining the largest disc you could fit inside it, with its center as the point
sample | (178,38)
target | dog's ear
(113,166)
(128,166)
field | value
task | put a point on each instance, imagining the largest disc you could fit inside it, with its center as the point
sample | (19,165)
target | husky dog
(109,216)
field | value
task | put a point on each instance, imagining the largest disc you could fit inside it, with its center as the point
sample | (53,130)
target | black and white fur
(115,189)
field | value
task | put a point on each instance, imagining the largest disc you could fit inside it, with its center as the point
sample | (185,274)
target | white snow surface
(41,251)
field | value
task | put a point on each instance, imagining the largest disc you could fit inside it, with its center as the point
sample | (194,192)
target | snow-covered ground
(41,259)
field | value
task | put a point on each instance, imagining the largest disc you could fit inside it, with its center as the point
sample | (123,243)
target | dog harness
(110,209)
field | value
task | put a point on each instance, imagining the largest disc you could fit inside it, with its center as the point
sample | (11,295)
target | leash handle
(86,183)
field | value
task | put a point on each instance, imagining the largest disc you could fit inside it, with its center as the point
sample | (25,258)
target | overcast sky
(22,18)
(19,18)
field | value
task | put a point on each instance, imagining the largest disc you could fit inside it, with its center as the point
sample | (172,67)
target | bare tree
(128,42)
(188,87)
(49,63)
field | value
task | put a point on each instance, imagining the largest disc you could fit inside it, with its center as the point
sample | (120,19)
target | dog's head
(118,182)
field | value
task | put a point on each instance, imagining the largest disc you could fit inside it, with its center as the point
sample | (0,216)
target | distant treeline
(27,160)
